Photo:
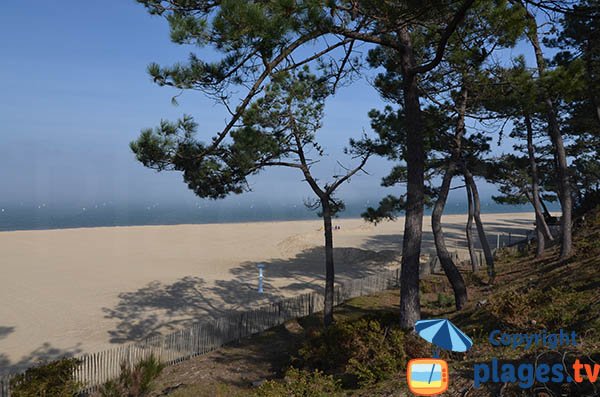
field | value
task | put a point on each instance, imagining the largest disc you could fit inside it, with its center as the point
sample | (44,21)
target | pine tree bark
(540,230)
(456,280)
(547,214)
(469,229)
(410,306)
(487,252)
(450,269)
(329,265)
(545,228)
(560,154)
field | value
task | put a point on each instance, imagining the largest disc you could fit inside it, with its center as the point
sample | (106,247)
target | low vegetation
(301,383)
(133,381)
(54,379)
(364,353)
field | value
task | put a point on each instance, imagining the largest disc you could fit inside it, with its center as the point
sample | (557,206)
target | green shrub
(133,382)
(327,349)
(379,354)
(301,383)
(364,350)
(49,379)
(444,300)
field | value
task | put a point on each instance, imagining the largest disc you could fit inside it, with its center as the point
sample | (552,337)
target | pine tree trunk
(469,229)
(329,267)
(535,191)
(545,227)
(547,214)
(487,252)
(454,276)
(410,306)
(450,269)
(560,154)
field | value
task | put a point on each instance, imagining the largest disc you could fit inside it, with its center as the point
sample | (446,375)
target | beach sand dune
(84,290)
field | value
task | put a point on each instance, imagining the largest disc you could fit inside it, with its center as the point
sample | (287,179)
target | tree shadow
(307,269)
(43,354)
(159,308)
(455,236)
(5,331)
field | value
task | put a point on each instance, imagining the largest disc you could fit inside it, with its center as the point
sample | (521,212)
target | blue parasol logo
(428,377)
(443,334)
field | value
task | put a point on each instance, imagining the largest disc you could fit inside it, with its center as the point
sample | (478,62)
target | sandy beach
(83,290)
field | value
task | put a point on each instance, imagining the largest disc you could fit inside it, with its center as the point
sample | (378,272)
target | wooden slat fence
(206,336)
(4,386)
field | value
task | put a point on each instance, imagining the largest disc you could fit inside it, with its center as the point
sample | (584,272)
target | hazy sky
(74,92)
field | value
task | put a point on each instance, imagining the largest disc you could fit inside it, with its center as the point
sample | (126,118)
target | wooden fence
(203,337)
(4,386)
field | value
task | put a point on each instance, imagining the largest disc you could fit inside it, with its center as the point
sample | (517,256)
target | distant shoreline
(238,222)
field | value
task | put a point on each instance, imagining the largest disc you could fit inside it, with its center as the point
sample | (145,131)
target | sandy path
(81,290)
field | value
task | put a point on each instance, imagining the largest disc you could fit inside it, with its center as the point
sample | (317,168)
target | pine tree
(516,98)
(261,38)
(279,130)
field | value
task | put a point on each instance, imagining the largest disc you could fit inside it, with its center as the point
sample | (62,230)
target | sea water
(34,216)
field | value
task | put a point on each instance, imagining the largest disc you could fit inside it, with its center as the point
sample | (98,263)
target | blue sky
(74,92)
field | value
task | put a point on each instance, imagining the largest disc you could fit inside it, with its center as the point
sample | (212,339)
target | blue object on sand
(443,334)
(260,278)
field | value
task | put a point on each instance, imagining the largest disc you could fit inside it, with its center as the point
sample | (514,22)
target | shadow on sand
(455,236)
(42,354)
(159,308)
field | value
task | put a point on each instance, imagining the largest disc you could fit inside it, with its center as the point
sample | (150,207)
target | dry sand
(83,290)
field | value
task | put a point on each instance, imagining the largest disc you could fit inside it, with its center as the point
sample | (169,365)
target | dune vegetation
(364,352)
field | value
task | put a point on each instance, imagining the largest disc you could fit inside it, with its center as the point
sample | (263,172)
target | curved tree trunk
(450,269)
(487,252)
(560,154)
(329,268)
(469,229)
(410,305)
(546,228)
(535,192)
(547,214)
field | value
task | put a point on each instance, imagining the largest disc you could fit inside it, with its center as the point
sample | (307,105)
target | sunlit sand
(84,290)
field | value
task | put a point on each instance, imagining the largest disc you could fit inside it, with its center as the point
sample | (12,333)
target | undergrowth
(54,379)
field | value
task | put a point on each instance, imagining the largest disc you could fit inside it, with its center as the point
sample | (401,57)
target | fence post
(201,338)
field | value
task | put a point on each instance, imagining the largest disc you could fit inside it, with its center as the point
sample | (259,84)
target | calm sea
(45,216)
